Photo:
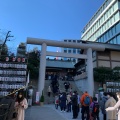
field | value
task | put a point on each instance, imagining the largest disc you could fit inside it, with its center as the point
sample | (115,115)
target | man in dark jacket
(74,105)
(7,105)
(104,99)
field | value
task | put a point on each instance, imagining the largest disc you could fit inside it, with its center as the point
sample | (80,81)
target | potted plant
(42,99)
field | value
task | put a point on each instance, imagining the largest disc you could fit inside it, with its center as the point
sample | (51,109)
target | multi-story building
(71,50)
(21,50)
(104,26)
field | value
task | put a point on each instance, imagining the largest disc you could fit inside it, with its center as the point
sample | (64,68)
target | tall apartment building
(21,50)
(104,26)
(71,50)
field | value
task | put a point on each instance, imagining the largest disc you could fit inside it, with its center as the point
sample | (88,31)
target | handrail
(3,105)
(15,91)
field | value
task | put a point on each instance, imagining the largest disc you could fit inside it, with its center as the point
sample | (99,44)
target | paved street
(48,112)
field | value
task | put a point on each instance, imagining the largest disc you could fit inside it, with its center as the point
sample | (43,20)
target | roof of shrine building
(59,63)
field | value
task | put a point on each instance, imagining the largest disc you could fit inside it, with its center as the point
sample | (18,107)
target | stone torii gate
(44,43)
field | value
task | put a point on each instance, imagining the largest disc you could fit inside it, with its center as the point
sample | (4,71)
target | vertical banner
(37,97)
(28,79)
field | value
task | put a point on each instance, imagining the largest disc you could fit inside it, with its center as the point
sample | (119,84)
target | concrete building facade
(71,50)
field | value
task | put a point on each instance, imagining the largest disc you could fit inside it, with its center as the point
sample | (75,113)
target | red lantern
(7,59)
(23,59)
(19,59)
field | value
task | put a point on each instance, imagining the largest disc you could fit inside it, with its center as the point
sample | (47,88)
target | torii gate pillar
(42,68)
(90,71)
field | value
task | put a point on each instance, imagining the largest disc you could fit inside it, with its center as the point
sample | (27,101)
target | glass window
(110,21)
(65,40)
(114,40)
(78,50)
(108,34)
(78,41)
(65,51)
(103,28)
(112,8)
(116,17)
(102,39)
(111,41)
(107,14)
(110,11)
(108,24)
(118,28)
(115,6)
(118,39)
(74,40)
(69,40)
(113,20)
(102,19)
(69,51)
(74,50)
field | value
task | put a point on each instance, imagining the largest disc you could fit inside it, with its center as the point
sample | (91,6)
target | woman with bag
(20,106)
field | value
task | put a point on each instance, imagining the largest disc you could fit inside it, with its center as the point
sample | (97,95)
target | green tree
(116,73)
(101,74)
(33,64)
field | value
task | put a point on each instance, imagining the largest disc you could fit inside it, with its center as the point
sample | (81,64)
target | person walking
(30,95)
(94,106)
(20,105)
(111,115)
(49,91)
(85,102)
(63,100)
(102,105)
(74,105)
(68,103)
(56,101)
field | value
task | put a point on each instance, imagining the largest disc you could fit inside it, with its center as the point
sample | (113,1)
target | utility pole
(6,39)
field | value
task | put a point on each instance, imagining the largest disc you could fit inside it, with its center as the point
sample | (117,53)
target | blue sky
(47,19)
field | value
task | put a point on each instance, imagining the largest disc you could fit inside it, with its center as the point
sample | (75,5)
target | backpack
(95,109)
(87,100)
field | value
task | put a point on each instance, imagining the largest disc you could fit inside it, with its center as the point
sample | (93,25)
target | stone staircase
(50,100)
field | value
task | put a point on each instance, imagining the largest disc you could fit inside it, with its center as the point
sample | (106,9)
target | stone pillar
(90,72)
(42,68)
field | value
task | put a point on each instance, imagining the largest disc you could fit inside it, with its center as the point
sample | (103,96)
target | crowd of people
(89,107)
(17,103)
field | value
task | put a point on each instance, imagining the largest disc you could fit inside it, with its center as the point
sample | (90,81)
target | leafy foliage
(33,65)
(102,74)
(4,50)
(42,97)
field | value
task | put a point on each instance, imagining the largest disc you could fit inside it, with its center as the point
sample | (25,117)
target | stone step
(49,100)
